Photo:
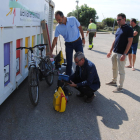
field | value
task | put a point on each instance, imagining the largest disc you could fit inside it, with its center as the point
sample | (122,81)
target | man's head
(133,22)
(79,58)
(59,16)
(91,20)
(121,18)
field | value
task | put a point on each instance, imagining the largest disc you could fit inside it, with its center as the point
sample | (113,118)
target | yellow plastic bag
(59,100)
(61,57)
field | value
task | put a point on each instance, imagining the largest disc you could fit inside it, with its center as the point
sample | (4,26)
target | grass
(101,30)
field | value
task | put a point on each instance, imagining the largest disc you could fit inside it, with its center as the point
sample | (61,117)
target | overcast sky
(104,8)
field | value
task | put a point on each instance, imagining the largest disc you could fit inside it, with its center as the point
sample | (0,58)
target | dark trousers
(91,35)
(86,91)
(77,46)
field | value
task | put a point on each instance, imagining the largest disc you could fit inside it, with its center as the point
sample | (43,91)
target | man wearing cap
(69,28)
(85,78)
(92,33)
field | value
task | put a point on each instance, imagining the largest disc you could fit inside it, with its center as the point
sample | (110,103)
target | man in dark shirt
(133,50)
(85,78)
(120,47)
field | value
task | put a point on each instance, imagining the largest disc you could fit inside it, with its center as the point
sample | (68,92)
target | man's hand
(109,54)
(83,41)
(73,84)
(122,58)
(54,43)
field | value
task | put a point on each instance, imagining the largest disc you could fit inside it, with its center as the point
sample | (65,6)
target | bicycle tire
(33,86)
(50,72)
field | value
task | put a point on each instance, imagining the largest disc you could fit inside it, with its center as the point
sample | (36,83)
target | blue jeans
(133,49)
(77,46)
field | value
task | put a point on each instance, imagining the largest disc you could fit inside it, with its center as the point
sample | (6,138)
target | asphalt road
(111,116)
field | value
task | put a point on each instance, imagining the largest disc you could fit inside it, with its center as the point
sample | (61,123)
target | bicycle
(44,68)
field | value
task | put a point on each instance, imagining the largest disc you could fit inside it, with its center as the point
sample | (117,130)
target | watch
(83,38)
(124,54)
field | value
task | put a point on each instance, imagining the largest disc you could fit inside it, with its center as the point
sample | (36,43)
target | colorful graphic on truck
(24,11)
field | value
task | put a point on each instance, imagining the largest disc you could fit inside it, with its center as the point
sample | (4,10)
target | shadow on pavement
(111,112)
(99,52)
(137,69)
(132,95)
(20,120)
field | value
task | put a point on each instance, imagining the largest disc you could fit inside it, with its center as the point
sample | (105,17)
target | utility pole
(77,8)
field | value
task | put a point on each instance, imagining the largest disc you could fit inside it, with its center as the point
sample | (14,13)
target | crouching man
(85,78)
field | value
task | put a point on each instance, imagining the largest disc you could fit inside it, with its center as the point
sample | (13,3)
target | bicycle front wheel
(50,74)
(33,86)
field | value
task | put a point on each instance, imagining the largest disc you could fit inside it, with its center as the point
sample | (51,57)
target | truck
(20,26)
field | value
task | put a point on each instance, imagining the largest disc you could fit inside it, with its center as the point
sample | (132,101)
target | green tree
(109,22)
(85,13)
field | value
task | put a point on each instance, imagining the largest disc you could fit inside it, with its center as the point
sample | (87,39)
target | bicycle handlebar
(30,48)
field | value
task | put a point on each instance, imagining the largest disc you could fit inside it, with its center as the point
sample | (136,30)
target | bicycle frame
(33,63)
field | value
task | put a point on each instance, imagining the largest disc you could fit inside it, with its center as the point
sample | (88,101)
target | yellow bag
(59,100)
(61,57)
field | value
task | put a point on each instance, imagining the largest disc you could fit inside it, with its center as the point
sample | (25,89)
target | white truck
(20,26)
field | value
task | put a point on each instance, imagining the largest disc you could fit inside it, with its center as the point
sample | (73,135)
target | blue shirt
(70,31)
(121,38)
(86,75)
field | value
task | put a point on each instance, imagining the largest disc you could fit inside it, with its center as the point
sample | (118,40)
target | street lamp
(77,8)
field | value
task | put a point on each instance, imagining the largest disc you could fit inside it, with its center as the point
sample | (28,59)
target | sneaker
(118,90)
(111,83)
(89,48)
(89,100)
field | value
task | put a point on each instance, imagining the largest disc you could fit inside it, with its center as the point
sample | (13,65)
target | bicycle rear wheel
(50,72)
(33,86)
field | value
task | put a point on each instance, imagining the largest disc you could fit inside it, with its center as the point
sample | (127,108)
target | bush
(115,28)
(54,21)
(84,28)
(100,26)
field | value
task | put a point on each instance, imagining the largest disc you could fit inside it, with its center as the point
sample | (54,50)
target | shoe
(111,83)
(128,66)
(89,100)
(89,48)
(118,90)
(80,95)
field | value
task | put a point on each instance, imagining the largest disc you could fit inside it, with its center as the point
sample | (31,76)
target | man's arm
(110,52)
(82,34)
(87,33)
(91,74)
(135,33)
(95,34)
(130,40)
(54,43)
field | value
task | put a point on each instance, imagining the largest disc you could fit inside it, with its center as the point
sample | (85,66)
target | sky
(104,8)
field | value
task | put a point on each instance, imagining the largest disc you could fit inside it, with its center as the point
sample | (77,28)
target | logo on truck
(24,11)
(11,9)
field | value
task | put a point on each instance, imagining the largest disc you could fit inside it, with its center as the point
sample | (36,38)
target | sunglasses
(119,19)
(78,61)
